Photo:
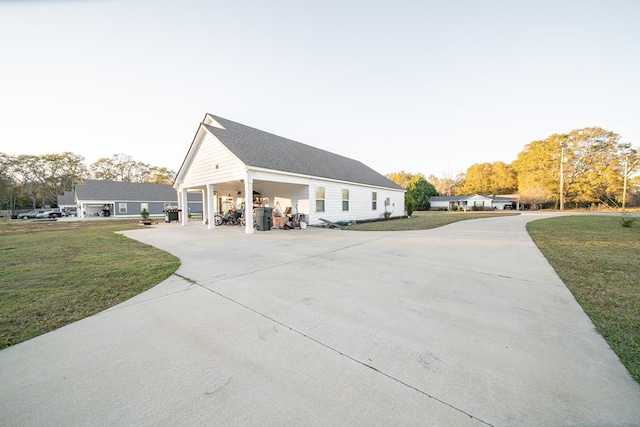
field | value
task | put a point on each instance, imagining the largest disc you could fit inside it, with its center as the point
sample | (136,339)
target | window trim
(320,198)
(345,200)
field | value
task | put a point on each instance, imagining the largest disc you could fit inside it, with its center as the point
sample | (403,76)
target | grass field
(56,272)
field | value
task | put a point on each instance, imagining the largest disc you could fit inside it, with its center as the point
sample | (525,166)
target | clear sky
(425,86)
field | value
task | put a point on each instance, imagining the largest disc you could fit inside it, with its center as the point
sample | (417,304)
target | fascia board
(197,140)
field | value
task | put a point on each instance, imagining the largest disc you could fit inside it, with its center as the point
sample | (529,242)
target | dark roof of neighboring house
(264,150)
(453,198)
(66,199)
(443,199)
(129,191)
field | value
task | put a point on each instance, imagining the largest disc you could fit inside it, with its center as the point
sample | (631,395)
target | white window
(345,199)
(122,208)
(374,201)
(319,199)
(144,206)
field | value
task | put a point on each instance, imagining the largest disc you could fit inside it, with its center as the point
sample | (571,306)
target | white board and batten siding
(213,163)
(360,202)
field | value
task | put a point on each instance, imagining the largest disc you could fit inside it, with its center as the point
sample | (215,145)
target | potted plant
(145,217)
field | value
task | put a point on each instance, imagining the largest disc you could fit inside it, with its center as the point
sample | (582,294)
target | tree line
(37,180)
(591,166)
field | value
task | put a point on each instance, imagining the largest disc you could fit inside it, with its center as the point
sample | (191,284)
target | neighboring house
(227,161)
(127,199)
(67,203)
(474,201)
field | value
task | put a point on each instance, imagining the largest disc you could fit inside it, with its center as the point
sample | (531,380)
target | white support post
(204,209)
(184,205)
(210,201)
(248,203)
(204,206)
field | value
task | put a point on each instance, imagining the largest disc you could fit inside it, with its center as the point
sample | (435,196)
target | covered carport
(221,197)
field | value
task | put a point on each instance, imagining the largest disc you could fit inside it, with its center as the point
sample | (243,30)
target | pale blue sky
(421,86)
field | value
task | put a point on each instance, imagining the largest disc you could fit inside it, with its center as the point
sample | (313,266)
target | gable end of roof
(256,148)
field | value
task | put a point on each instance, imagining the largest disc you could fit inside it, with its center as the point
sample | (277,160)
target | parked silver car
(50,214)
(32,214)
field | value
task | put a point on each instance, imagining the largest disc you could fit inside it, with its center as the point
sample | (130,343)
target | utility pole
(624,186)
(562,178)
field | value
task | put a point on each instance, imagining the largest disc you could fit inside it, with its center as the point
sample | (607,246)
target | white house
(474,201)
(228,161)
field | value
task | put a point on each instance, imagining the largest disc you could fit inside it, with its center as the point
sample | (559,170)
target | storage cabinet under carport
(263,218)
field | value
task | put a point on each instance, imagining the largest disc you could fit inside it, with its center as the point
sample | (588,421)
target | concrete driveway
(462,325)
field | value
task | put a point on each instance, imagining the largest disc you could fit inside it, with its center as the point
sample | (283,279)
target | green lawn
(54,273)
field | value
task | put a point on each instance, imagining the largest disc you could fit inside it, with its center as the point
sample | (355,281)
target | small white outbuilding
(228,161)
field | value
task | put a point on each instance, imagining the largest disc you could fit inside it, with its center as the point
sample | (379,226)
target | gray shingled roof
(264,150)
(129,191)
(66,199)
(446,198)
